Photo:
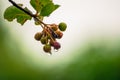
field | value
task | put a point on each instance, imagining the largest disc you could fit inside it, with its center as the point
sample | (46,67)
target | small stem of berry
(48,32)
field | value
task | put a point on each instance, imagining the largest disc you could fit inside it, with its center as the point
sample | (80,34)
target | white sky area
(86,19)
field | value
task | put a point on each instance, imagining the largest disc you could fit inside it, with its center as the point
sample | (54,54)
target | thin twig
(35,18)
(27,12)
(19,7)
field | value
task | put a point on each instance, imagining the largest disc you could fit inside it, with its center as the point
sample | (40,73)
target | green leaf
(38,4)
(48,9)
(44,7)
(12,13)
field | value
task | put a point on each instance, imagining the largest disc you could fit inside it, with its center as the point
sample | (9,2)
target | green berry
(38,36)
(47,48)
(48,36)
(62,26)
(43,40)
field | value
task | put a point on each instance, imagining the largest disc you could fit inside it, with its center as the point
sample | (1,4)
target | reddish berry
(59,33)
(56,45)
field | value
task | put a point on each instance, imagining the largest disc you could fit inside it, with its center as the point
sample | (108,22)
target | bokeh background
(90,45)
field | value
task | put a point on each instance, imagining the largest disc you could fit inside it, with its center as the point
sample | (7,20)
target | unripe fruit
(48,36)
(47,48)
(43,40)
(62,26)
(56,45)
(54,27)
(38,36)
(59,33)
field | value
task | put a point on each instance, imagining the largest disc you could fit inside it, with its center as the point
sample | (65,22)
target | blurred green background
(96,60)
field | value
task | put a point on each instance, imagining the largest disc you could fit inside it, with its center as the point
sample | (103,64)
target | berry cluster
(49,34)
